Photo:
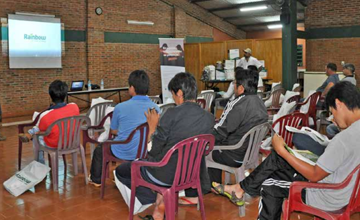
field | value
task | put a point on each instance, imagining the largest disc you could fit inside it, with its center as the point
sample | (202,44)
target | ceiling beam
(195,1)
(273,13)
(303,2)
(238,6)
(263,24)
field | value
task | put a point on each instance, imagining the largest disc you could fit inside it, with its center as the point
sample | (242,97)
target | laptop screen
(77,85)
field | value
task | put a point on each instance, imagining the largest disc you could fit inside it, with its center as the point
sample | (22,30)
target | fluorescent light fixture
(275,26)
(262,7)
(150,23)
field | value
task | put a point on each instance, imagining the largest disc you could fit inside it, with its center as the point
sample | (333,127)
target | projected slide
(34,42)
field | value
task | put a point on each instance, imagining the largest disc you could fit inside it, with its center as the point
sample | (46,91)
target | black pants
(144,194)
(271,180)
(305,142)
(222,158)
(96,165)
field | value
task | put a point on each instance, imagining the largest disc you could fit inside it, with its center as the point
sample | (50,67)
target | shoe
(147,217)
(23,138)
(219,189)
(93,183)
(2,138)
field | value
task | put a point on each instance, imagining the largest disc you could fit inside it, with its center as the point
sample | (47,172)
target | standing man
(249,60)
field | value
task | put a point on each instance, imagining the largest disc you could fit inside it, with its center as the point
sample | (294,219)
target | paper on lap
(105,135)
(316,136)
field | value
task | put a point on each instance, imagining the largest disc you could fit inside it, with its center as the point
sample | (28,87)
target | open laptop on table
(77,85)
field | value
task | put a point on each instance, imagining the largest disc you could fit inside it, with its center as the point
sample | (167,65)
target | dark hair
(58,91)
(248,79)
(253,67)
(179,47)
(186,82)
(140,81)
(238,68)
(346,93)
(332,66)
(164,45)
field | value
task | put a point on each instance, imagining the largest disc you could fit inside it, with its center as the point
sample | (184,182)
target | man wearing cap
(349,71)
(249,60)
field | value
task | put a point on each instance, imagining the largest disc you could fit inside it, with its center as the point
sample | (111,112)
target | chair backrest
(156,99)
(255,136)
(209,96)
(69,130)
(295,98)
(201,101)
(98,111)
(278,86)
(292,120)
(313,99)
(354,202)
(165,107)
(189,154)
(276,94)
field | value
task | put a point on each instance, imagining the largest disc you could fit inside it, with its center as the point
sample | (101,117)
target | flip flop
(147,217)
(232,197)
(188,202)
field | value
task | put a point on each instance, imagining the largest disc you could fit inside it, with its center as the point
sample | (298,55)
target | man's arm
(312,173)
(113,132)
(327,88)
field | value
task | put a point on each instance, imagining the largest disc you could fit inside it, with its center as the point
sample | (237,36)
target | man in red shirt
(58,110)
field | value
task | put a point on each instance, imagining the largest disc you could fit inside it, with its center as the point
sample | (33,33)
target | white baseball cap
(247,50)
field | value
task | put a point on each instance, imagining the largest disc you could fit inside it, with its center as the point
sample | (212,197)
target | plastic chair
(21,129)
(165,107)
(295,98)
(108,157)
(311,113)
(297,89)
(209,96)
(202,102)
(251,160)
(218,105)
(295,203)
(189,153)
(99,113)
(275,102)
(69,130)
(155,99)
(296,120)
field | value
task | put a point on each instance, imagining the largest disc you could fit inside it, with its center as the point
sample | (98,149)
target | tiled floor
(75,200)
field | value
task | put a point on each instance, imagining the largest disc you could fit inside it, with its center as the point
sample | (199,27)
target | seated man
(176,124)
(58,110)
(332,79)
(240,115)
(126,117)
(349,73)
(272,178)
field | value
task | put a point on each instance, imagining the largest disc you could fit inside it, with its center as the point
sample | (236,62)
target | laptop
(77,85)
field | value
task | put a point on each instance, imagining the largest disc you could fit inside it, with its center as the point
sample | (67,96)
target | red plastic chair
(187,175)
(295,98)
(21,128)
(295,203)
(202,102)
(313,99)
(296,120)
(108,157)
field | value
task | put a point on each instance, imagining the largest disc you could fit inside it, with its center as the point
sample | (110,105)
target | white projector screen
(34,42)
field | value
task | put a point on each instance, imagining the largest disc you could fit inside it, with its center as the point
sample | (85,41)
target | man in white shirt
(248,60)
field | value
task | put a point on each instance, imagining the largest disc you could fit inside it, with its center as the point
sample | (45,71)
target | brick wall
(332,14)
(24,91)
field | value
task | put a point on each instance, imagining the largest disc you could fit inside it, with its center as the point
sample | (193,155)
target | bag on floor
(126,193)
(26,178)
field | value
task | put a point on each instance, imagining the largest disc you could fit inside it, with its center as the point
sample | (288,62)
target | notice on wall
(234,54)
(171,62)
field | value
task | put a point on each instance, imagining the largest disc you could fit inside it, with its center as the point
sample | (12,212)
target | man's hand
(152,119)
(279,145)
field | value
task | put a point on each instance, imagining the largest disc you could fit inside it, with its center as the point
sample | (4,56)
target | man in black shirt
(187,119)
(240,115)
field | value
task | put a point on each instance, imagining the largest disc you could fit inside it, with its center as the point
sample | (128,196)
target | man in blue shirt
(126,117)
(332,79)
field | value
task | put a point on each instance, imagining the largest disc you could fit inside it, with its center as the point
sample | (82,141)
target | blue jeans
(332,130)
(305,142)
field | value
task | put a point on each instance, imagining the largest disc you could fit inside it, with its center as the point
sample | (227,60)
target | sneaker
(2,138)
(93,183)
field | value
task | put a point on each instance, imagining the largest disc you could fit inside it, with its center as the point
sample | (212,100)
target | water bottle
(102,84)
(89,85)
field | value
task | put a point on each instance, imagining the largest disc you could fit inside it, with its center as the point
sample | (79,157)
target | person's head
(246,81)
(330,69)
(238,68)
(343,99)
(58,91)
(164,47)
(183,87)
(179,47)
(138,83)
(247,52)
(349,69)
(252,67)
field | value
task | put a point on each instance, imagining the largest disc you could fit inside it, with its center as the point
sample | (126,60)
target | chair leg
(201,202)
(83,160)
(92,148)
(132,202)
(103,177)
(65,163)
(19,154)
(74,161)
(54,170)
(169,206)
(176,202)
(286,214)
(227,178)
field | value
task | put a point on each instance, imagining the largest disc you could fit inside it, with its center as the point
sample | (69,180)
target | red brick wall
(24,91)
